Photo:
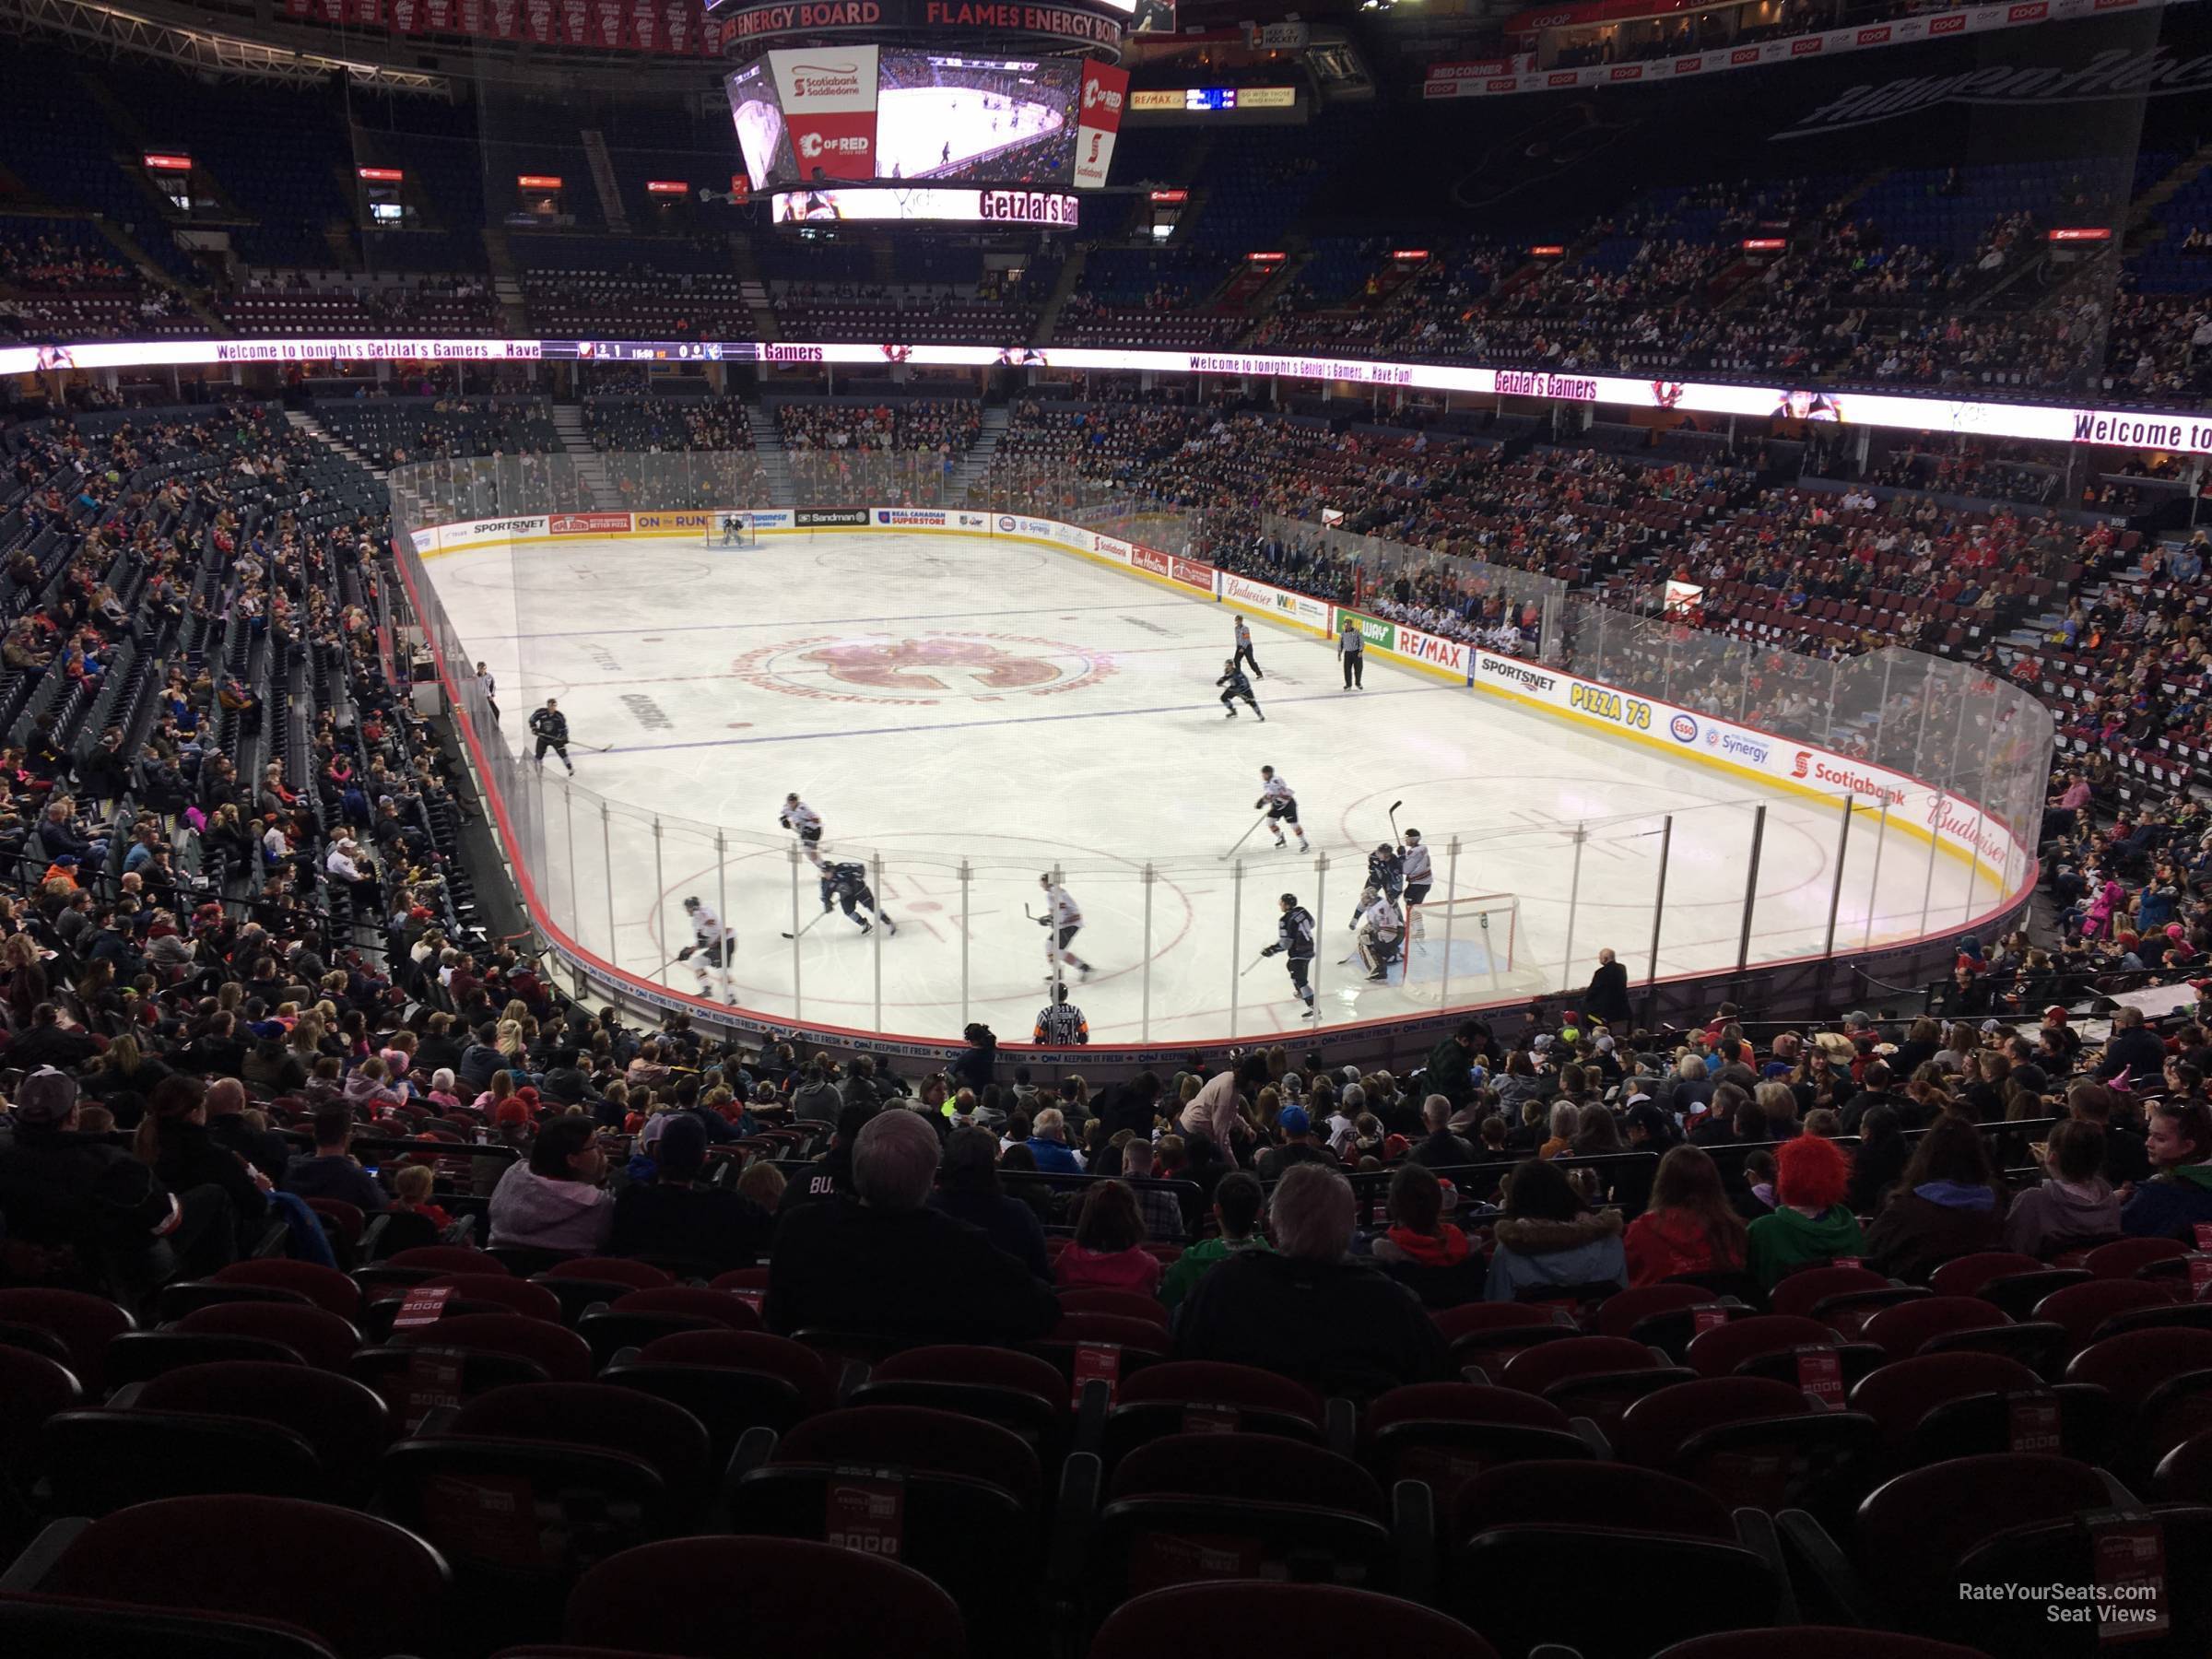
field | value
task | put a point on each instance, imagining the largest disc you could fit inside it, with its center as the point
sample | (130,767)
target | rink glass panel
(1981,747)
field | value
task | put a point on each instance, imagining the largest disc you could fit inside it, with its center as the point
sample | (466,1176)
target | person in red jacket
(1690,1226)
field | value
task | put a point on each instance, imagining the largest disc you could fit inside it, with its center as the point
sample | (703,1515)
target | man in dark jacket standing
(2133,1047)
(1607,997)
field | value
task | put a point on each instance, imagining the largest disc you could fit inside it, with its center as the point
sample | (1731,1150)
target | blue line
(970,725)
(1027,610)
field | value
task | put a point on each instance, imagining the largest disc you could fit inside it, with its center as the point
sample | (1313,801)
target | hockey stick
(1396,838)
(1245,837)
(806,928)
(1251,965)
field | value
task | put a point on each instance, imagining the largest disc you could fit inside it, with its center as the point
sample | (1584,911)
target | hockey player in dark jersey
(1385,871)
(1294,937)
(1234,678)
(847,884)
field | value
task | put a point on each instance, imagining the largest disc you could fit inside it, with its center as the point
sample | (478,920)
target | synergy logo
(1684,728)
(1736,747)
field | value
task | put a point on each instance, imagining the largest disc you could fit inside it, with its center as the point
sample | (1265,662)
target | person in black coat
(172,1139)
(676,1214)
(1607,997)
(968,1190)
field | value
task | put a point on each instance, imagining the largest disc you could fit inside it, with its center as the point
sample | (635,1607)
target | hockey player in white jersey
(1281,806)
(806,823)
(714,945)
(1062,921)
(1413,862)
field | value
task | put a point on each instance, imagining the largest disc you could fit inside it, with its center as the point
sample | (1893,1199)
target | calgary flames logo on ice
(934,668)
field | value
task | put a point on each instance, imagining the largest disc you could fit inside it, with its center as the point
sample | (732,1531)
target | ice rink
(922,130)
(944,700)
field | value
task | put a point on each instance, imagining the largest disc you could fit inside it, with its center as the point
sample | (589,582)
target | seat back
(365,1586)
(321,1338)
(782,1596)
(82,1324)
(1243,1620)
(325,1286)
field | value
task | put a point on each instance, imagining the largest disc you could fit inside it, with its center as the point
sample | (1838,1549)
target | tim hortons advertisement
(1105,90)
(828,98)
(1151,560)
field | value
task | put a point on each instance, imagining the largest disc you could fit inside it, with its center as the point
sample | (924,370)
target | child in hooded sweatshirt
(1548,1236)
(1690,1226)
(2075,1202)
(1810,1224)
(1109,1253)
(1421,1250)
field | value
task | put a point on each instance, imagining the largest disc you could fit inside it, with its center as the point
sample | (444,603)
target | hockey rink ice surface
(917,125)
(937,698)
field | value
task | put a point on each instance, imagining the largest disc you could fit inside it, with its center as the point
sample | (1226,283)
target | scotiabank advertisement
(1105,90)
(829,96)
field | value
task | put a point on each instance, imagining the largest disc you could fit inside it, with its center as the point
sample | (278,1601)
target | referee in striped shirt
(1060,1024)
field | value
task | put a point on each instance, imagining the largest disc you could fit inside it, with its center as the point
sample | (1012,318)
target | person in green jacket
(1237,1208)
(1811,1224)
(1451,1069)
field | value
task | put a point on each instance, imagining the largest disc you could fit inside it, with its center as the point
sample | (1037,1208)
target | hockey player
(847,884)
(1234,678)
(1381,934)
(1244,650)
(1063,921)
(733,529)
(551,728)
(1281,806)
(714,945)
(1384,873)
(1294,937)
(806,823)
(1413,857)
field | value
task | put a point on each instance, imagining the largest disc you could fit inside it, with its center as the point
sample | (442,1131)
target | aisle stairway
(590,465)
(307,423)
(767,444)
(976,464)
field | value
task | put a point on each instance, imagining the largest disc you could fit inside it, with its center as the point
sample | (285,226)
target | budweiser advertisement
(1105,90)
(828,104)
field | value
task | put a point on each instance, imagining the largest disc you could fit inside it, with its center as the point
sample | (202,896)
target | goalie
(714,945)
(1381,931)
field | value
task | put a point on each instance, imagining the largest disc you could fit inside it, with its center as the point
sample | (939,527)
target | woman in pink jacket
(1109,1253)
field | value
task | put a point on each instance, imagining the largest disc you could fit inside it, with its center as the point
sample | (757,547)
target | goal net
(1469,948)
(730,530)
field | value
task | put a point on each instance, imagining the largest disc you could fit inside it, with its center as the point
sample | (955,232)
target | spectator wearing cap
(1299,1146)
(553,1201)
(1439,1148)
(330,1171)
(883,1261)
(1306,1311)
(75,1205)
(1423,1251)
(968,1190)
(676,1214)
(1810,1223)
